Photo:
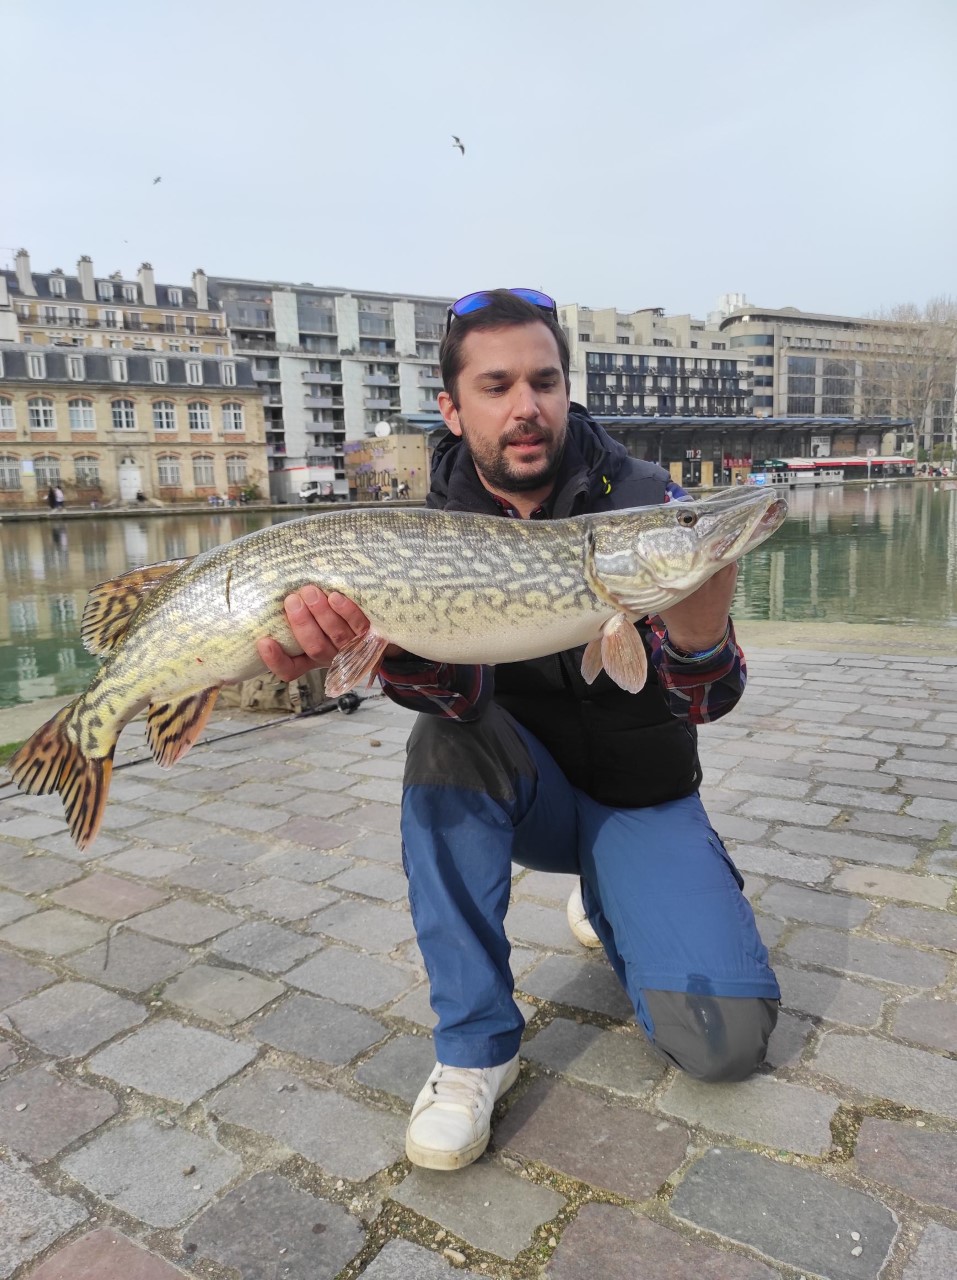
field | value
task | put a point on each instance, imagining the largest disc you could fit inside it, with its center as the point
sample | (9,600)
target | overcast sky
(617,154)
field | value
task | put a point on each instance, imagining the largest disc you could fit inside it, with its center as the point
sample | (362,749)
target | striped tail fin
(52,761)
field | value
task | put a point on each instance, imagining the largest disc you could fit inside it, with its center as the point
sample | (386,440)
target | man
(530,764)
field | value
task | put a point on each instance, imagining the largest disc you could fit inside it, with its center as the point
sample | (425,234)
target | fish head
(648,558)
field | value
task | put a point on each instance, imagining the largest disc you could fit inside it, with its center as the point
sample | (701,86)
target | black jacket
(622,749)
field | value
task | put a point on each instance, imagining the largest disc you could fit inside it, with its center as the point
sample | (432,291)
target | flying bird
(457,142)
(159,179)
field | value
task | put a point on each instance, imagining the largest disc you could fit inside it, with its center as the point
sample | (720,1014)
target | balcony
(429,380)
(380,380)
(379,402)
(266,375)
(322,402)
(255,344)
(429,406)
(272,397)
(322,379)
(275,450)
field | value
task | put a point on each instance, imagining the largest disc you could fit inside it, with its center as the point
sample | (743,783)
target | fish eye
(687,519)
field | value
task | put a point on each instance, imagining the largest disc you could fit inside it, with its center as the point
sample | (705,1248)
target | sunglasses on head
(477,301)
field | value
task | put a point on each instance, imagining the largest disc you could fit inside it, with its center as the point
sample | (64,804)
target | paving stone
(617,1244)
(416,1007)
(224,996)
(7,1056)
(108,897)
(380,847)
(151,864)
(931,807)
(54,1112)
(846,845)
(931,928)
(345,1139)
(741,1195)
(23,874)
(350,978)
(868,958)
(881,1069)
(824,996)
(402,1260)
(319,804)
(242,817)
(311,866)
(622,1062)
(105,1255)
(135,963)
(266,793)
(551,886)
(53,932)
(603,1143)
(893,824)
(377,768)
(13,907)
(30,826)
(62,845)
(170,802)
(401,1067)
(232,848)
(383,818)
(858,798)
(314,833)
(909,1160)
(184,922)
(172,1061)
(788,1039)
(776,809)
(138,1168)
(936,1256)
(741,780)
(32,1218)
(261,945)
(267,1229)
(730,826)
(319,1029)
(483,1204)
(542,926)
(182,831)
(19,979)
(584,984)
(878,882)
(777,863)
(930,1022)
(943,862)
(217,878)
(374,881)
(793,902)
(282,899)
(365,925)
(761,1110)
(72,1018)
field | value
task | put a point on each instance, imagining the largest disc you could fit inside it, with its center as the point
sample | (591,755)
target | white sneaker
(578,922)
(451,1120)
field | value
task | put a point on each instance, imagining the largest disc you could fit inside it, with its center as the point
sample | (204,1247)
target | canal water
(884,553)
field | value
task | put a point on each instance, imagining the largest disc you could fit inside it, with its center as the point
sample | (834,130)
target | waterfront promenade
(213,1022)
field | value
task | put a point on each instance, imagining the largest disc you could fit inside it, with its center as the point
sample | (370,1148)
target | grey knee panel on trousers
(486,755)
(714,1038)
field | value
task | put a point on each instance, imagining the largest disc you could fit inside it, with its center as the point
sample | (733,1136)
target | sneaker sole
(429,1158)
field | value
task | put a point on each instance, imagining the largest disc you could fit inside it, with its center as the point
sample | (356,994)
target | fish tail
(52,760)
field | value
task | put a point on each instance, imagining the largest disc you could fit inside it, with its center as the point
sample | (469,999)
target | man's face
(512,409)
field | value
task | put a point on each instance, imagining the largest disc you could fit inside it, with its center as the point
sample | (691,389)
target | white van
(316,491)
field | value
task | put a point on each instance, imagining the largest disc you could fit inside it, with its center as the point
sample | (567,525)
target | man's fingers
(279,662)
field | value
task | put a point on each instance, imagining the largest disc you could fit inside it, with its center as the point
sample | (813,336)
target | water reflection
(884,553)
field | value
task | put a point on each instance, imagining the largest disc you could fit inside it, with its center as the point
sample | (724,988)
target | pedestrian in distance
(59,498)
(51,498)
(528,763)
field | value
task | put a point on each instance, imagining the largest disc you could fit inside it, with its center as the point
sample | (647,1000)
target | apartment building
(331,365)
(107,425)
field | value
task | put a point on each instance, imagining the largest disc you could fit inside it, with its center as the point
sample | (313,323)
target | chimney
(147,283)
(201,287)
(84,269)
(24,278)
(4,292)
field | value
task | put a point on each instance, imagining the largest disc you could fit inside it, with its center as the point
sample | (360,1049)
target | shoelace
(464,1087)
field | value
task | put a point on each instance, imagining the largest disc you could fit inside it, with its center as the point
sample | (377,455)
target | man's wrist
(681,653)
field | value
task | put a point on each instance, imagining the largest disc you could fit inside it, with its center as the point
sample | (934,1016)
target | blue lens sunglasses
(477,301)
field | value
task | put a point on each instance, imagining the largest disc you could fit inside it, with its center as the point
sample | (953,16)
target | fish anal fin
(622,653)
(357,660)
(592,661)
(111,605)
(172,727)
(51,760)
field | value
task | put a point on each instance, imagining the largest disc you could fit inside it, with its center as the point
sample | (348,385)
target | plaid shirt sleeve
(458,692)
(699,692)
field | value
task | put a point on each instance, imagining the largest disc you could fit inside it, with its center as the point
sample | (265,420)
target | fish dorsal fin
(111,605)
(172,727)
(621,651)
(355,661)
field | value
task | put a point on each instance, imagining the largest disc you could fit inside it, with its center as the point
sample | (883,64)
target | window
(41,414)
(190,323)
(7,420)
(129,293)
(229,374)
(194,372)
(194,347)
(213,324)
(36,366)
(199,419)
(203,477)
(134,320)
(160,371)
(87,472)
(124,415)
(168,471)
(584,337)
(1,364)
(118,369)
(169,324)
(111,319)
(75,368)
(175,297)
(58,286)
(235,468)
(174,346)
(47,471)
(81,415)
(9,472)
(164,415)
(233,416)
(50,315)
(104,290)
(74,316)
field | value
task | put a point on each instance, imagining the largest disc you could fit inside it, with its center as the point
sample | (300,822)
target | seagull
(159,179)
(457,142)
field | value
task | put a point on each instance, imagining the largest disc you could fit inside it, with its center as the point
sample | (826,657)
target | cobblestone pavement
(212,1023)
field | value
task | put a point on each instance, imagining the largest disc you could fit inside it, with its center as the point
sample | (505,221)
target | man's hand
(698,622)
(321,625)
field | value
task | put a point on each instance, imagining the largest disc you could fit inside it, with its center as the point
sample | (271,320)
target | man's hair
(504,310)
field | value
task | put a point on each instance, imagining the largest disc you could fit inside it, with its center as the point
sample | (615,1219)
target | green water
(886,553)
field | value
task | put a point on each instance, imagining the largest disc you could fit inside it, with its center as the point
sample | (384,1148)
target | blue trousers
(658,885)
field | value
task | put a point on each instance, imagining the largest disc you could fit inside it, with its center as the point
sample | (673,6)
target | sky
(627,154)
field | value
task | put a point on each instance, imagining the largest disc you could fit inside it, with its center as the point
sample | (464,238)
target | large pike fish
(447,586)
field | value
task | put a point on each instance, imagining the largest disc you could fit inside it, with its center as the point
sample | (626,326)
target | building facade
(106,426)
(331,364)
(393,466)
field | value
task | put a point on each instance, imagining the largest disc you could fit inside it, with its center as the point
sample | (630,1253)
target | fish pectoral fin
(358,659)
(173,727)
(621,651)
(110,605)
